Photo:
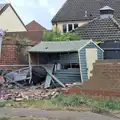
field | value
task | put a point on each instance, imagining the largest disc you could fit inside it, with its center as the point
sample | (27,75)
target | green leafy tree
(58,36)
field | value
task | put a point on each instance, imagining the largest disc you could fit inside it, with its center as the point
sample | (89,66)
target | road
(54,115)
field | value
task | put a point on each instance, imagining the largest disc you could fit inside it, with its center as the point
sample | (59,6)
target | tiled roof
(100,29)
(74,10)
(34,26)
(34,36)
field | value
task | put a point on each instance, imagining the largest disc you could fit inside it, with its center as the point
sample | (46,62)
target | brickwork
(104,81)
(10,55)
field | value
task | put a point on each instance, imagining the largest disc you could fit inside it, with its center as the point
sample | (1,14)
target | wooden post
(38,59)
(29,58)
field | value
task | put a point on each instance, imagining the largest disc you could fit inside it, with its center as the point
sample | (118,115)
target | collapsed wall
(105,76)
(105,79)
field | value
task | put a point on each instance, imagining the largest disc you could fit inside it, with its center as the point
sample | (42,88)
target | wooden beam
(29,59)
(38,59)
(30,62)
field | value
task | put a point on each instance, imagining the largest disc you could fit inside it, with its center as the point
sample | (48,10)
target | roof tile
(100,29)
(74,10)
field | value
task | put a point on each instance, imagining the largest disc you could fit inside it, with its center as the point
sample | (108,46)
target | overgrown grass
(88,101)
(62,102)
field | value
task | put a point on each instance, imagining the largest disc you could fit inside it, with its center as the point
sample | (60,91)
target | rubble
(17,85)
(29,94)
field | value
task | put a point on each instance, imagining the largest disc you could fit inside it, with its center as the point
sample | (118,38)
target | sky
(40,10)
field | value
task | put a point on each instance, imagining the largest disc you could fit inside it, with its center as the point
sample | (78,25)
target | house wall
(9,21)
(60,24)
(83,62)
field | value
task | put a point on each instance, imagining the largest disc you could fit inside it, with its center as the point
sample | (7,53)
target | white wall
(60,24)
(10,22)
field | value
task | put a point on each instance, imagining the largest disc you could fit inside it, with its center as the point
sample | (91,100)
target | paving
(54,115)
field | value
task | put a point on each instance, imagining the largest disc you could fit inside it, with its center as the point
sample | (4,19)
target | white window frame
(67,24)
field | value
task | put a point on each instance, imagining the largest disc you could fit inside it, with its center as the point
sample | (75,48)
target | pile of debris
(22,94)
(21,81)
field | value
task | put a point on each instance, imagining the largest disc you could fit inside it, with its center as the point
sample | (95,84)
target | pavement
(54,115)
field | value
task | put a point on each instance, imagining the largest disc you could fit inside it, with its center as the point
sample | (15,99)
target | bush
(58,36)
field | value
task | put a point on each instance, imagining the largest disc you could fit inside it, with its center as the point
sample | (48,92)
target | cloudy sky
(40,10)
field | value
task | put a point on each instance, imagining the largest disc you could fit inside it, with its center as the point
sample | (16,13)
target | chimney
(106,12)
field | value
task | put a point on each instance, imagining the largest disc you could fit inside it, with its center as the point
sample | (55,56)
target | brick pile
(105,76)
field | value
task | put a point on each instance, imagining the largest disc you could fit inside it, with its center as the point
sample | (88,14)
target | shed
(69,61)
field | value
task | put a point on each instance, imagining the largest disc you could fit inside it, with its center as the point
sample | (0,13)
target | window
(70,27)
(64,28)
(75,26)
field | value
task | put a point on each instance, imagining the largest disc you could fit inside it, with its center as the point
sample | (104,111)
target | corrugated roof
(64,46)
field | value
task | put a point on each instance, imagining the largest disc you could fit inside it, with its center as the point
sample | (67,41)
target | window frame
(67,26)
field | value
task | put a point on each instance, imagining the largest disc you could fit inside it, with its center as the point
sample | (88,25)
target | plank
(49,69)
(57,80)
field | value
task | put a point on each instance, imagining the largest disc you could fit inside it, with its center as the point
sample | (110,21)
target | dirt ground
(53,115)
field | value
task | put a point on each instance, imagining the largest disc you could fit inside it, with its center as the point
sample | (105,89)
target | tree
(58,36)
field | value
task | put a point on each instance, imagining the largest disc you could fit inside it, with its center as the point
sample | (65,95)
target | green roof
(63,46)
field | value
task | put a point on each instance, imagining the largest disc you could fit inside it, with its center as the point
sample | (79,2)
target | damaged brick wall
(105,80)
(10,54)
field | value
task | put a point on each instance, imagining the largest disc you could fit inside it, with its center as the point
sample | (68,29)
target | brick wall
(10,55)
(105,80)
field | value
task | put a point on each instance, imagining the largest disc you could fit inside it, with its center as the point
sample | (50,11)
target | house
(68,61)
(10,20)
(34,26)
(75,13)
(104,28)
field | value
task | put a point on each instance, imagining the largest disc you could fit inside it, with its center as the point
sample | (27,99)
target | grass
(69,102)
